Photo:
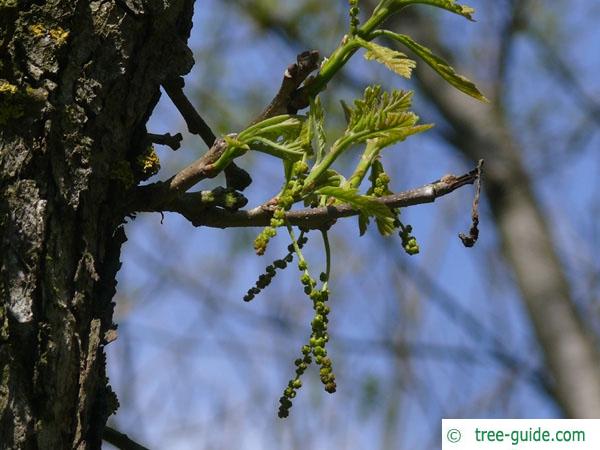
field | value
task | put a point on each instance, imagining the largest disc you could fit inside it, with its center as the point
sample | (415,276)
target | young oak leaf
(363,223)
(379,109)
(286,136)
(287,126)
(378,115)
(385,225)
(317,125)
(383,117)
(394,60)
(448,5)
(365,204)
(438,64)
(452,6)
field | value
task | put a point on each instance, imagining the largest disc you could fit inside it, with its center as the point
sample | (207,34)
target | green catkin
(290,194)
(409,242)
(319,336)
(354,21)
(271,270)
(380,187)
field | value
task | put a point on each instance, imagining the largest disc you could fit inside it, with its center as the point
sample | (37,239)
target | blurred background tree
(507,329)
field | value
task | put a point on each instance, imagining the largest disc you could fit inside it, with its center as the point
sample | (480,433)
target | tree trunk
(78,81)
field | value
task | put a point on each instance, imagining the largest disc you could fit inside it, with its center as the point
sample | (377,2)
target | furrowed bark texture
(483,131)
(78,81)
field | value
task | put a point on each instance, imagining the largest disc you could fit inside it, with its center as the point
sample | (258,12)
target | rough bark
(483,131)
(78,81)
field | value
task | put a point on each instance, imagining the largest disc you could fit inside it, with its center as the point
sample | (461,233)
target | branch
(293,77)
(152,197)
(193,120)
(190,207)
(236,177)
(120,440)
(166,139)
(470,239)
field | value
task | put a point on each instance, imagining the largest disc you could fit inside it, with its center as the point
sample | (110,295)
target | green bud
(300,167)
(324,309)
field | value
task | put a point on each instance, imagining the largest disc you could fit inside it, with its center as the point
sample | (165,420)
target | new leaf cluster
(376,121)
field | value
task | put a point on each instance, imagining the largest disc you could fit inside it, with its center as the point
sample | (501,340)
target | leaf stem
(327,257)
(273,148)
(366,159)
(265,125)
(332,65)
(348,47)
(297,248)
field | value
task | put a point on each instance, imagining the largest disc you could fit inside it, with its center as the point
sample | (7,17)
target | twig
(166,139)
(120,440)
(151,197)
(470,239)
(310,218)
(236,177)
(193,120)
(293,77)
